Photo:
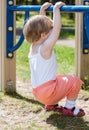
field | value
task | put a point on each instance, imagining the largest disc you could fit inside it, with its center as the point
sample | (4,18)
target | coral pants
(53,91)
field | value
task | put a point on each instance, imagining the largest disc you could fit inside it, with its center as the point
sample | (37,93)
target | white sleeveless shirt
(42,70)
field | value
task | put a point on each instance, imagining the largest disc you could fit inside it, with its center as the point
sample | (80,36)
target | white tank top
(42,70)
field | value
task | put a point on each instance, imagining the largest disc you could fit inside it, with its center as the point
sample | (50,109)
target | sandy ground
(17,115)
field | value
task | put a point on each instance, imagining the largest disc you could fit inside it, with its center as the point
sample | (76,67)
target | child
(48,88)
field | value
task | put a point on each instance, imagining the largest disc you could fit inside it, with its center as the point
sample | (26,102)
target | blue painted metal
(86,30)
(10,47)
(9,29)
(19,43)
(80,8)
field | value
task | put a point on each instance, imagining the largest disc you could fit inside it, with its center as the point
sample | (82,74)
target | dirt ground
(15,114)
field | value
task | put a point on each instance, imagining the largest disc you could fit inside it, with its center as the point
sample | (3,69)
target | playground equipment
(8,46)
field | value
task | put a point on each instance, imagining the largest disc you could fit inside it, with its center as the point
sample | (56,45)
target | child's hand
(44,7)
(59,4)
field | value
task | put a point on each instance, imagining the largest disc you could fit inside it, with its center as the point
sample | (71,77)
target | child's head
(35,26)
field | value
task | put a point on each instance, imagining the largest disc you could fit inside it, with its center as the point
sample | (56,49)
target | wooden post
(1,45)
(82,60)
(7,66)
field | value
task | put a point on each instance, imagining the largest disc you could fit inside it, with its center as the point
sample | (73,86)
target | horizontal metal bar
(76,8)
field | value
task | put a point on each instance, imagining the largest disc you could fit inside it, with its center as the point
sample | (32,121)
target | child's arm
(54,34)
(44,7)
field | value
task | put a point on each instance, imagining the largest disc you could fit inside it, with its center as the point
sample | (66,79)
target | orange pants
(53,91)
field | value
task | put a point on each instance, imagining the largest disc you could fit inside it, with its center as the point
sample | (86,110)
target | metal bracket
(10,47)
(9,29)
(86,30)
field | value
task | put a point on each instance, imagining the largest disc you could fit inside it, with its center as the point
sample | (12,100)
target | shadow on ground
(67,123)
(21,97)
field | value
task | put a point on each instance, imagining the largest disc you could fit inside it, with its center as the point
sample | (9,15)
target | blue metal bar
(77,8)
(10,47)
(85,45)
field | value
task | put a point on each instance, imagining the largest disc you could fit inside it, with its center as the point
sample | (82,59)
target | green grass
(65,60)
(22,63)
(67,21)
(67,34)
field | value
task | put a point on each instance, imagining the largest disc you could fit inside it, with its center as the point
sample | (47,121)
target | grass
(65,60)
(22,63)
(67,34)
(67,21)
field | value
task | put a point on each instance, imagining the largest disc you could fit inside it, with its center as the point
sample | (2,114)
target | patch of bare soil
(23,112)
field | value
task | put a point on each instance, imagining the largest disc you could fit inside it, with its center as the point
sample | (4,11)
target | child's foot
(53,108)
(65,111)
(71,112)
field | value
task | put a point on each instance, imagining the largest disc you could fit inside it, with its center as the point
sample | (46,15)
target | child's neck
(35,46)
(39,42)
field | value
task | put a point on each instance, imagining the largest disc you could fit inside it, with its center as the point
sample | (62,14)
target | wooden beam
(82,60)
(1,45)
(7,66)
